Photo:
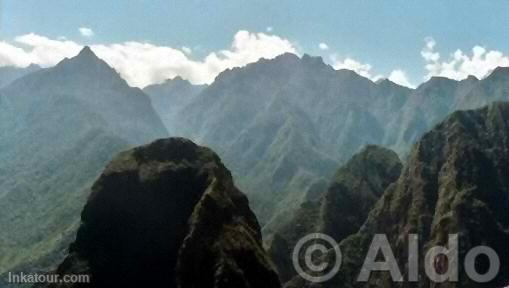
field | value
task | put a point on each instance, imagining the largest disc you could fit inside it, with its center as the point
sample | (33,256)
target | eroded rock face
(168,215)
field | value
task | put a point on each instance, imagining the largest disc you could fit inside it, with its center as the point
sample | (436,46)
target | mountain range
(286,124)
(454,183)
(283,127)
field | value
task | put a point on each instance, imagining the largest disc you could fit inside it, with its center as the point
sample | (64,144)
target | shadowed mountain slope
(341,209)
(168,215)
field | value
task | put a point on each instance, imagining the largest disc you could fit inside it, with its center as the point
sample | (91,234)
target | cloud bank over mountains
(143,63)
(460,65)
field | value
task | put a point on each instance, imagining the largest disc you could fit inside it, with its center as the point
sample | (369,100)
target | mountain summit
(169,210)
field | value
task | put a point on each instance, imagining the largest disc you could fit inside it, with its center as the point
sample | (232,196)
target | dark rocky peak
(170,210)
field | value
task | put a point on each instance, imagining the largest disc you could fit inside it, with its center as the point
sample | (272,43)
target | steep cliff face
(456,182)
(341,209)
(168,215)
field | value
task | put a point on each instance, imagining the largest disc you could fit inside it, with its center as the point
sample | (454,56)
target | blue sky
(387,35)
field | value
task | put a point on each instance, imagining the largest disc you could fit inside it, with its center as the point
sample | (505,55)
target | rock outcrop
(169,215)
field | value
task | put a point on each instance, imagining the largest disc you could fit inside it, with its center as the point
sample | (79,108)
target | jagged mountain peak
(87,64)
(87,52)
(86,55)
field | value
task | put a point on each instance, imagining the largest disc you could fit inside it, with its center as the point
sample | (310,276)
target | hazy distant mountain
(340,210)
(58,128)
(170,97)
(9,74)
(169,210)
(455,182)
(282,124)
(434,100)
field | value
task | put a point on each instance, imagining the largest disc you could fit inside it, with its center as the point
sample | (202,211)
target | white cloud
(480,63)
(86,32)
(363,69)
(323,46)
(141,63)
(187,50)
(399,77)
(41,50)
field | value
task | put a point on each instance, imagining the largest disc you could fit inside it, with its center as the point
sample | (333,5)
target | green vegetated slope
(455,182)
(286,123)
(282,124)
(341,210)
(58,128)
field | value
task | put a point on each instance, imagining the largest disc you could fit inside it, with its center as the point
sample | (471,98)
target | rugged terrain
(455,182)
(339,210)
(168,215)
(286,123)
